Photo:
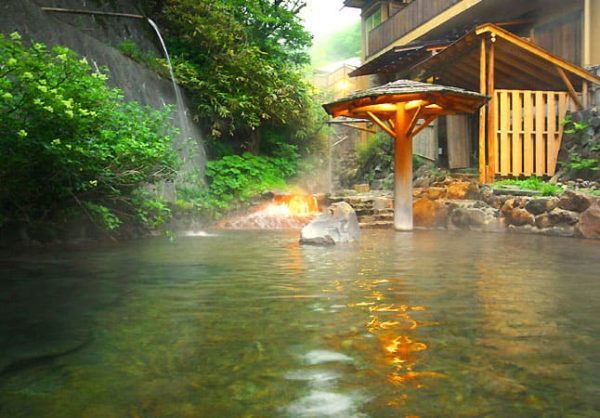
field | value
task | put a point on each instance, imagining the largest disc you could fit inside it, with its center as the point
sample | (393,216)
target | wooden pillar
(482,90)
(491,116)
(403,210)
(587,33)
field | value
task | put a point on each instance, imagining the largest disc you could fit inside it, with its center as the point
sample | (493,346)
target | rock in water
(338,224)
(589,223)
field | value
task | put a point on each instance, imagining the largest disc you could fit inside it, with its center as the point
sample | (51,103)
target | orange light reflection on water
(396,329)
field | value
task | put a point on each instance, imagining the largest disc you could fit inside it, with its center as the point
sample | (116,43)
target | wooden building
(527,56)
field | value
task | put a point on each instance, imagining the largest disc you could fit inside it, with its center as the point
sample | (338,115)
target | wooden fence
(529,131)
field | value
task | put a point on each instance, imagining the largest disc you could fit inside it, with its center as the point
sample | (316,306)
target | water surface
(250,324)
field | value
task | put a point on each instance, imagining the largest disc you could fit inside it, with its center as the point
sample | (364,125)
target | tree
(240,60)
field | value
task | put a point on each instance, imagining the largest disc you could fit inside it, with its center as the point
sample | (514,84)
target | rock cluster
(571,214)
(463,204)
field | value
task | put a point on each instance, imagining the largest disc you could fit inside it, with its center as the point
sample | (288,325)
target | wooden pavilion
(397,108)
(530,91)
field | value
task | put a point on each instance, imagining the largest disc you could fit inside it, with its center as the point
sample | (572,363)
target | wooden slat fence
(529,131)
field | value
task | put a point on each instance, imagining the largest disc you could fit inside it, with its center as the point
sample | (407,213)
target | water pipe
(92,12)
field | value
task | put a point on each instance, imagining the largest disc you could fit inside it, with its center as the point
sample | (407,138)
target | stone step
(376,225)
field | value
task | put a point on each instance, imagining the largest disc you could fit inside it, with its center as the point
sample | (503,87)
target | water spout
(185,131)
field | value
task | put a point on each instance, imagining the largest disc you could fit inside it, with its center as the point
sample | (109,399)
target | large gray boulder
(339,224)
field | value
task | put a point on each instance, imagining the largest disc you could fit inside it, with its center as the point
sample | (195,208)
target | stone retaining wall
(466,205)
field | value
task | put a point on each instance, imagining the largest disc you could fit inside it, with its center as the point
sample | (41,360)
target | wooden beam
(585,93)
(425,124)
(382,125)
(416,104)
(570,88)
(491,117)
(397,98)
(482,90)
(359,128)
(383,107)
(414,117)
(533,49)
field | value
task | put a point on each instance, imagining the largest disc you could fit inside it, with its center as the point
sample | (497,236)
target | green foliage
(532,183)
(378,147)
(338,46)
(233,180)
(239,177)
(578,164)
(375,158)
(573,127)
(68,143)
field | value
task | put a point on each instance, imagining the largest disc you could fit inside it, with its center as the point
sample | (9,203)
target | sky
(323,17)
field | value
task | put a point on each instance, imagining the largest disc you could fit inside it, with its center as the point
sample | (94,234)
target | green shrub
(233,180)
(69,144)
(532,183)
(578,164)
(572,127)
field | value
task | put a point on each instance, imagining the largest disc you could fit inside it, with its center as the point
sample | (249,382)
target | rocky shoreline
(455,204)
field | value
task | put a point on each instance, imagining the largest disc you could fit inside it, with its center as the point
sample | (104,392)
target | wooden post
(585,92)
(482,90)
(587,33)
(570,88)
(491,119)
(403,210)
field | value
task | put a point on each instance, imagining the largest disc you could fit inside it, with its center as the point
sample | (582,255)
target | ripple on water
(324,356)
(198,234)
(315,378)
(326,404)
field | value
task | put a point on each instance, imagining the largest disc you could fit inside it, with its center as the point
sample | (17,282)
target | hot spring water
(249,323)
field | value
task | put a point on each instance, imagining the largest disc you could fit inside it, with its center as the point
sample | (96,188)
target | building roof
(400,56)
(519,64)
(355,3)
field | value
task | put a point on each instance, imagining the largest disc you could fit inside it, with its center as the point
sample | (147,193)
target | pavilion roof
(449,99)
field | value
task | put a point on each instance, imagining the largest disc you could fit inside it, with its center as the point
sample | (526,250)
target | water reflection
(392,322)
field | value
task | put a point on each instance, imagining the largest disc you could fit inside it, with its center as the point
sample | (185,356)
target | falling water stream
(180,105)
